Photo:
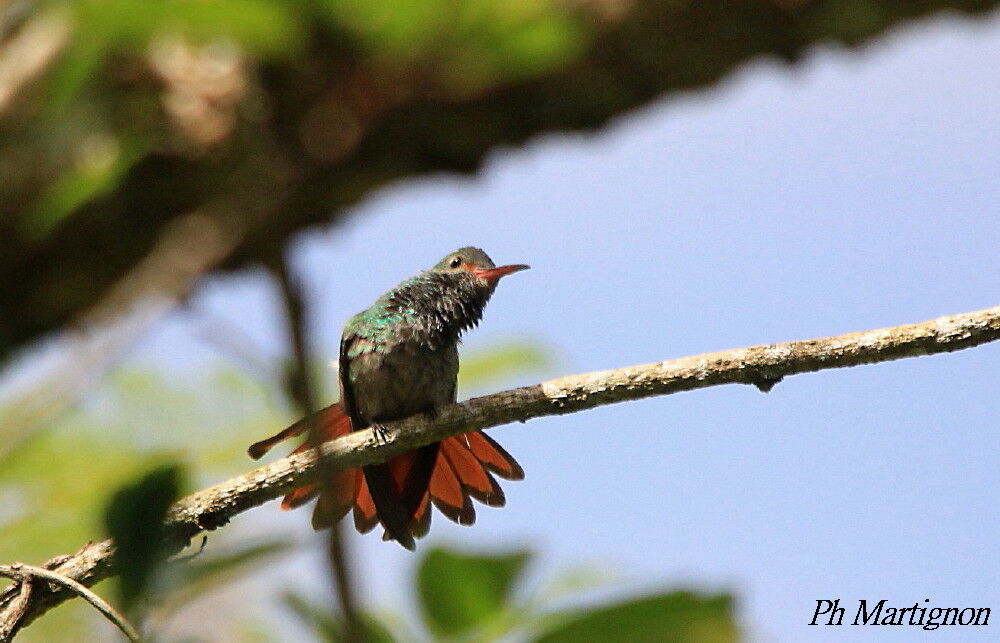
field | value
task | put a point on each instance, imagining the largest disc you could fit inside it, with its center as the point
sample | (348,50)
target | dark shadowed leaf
(328,626)
(134,519)
(680,617)
(459,592)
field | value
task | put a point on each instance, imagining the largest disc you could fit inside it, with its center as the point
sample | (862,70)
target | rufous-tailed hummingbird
(399,358)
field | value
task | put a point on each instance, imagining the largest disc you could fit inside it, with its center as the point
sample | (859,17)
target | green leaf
(680,617)
(329,627)
(459,592)
(134,519)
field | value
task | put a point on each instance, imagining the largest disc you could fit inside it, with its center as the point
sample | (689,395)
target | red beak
(492,274)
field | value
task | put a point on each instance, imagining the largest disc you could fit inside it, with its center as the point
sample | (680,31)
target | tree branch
(761,366)
(24,574)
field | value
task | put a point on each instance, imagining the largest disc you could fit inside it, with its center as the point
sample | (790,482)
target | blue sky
(853,191)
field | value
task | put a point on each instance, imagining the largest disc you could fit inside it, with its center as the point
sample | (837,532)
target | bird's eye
(455,262)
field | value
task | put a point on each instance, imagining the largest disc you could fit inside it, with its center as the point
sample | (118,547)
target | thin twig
(301,388)
(24,573)
(761,366)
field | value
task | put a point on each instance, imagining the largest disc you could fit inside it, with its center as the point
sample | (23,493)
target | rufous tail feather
(463,469)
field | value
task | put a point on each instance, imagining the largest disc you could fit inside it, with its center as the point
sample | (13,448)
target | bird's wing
(391,507)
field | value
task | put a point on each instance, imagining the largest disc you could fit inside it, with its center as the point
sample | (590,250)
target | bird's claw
(381,433)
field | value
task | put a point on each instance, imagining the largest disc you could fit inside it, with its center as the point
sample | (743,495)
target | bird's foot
(381,433)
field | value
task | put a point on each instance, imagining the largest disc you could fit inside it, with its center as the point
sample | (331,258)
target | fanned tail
(448,474)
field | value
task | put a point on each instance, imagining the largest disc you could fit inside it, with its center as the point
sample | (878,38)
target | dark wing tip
(407,542)
(495,497)
(464,515)
(320,519)
(364,522)
(257,450)
(511,469)
(421,523)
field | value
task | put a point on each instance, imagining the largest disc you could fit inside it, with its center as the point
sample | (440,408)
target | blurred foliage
(183,581)
(56,486)
(474,597)
(134,520)
(488,366)
(473,45)
(682,617)
(326,626)
(460,592)
(145,143)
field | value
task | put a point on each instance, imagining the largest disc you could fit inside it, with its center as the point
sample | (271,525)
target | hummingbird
(399,358)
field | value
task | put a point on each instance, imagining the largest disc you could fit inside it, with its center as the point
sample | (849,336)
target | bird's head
(478,264)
